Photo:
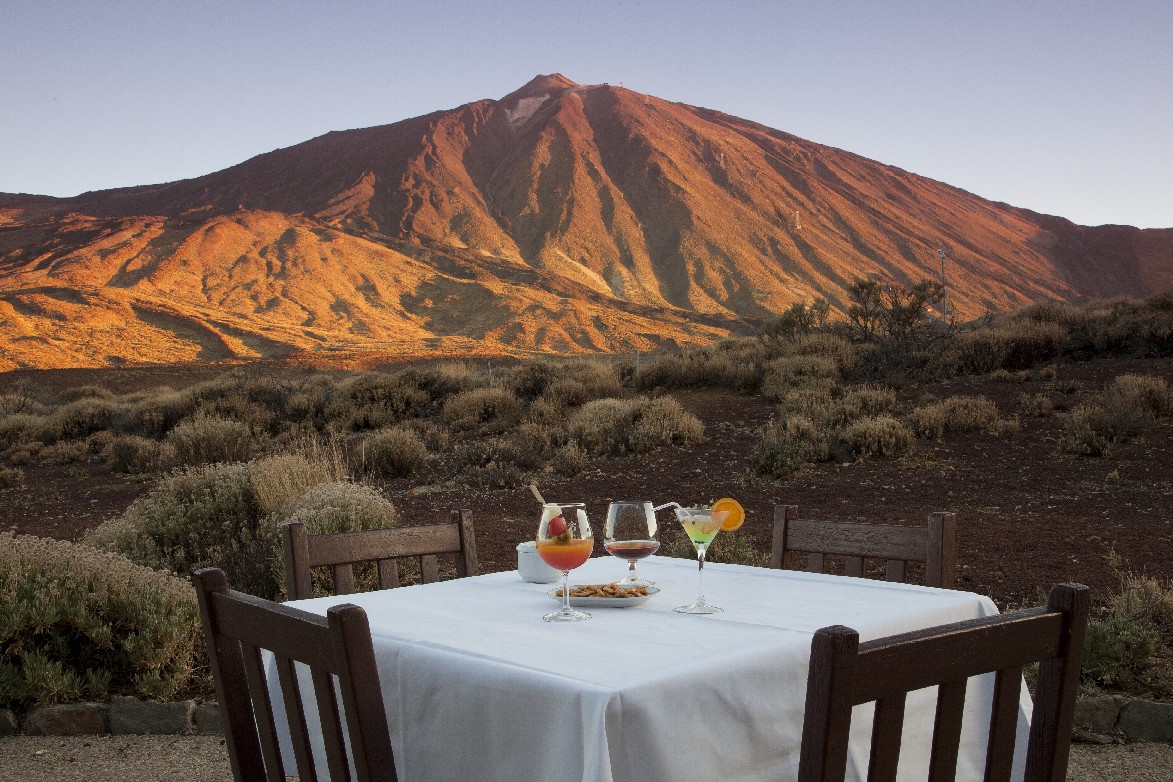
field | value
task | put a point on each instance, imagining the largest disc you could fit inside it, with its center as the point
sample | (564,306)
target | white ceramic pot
(531,567)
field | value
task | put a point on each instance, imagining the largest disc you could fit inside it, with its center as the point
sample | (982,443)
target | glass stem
(565,592)
(700,582)
(631,570)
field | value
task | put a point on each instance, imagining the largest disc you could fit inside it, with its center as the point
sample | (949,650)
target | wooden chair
(935,545)
(338,651)
(340,551)
(845,673)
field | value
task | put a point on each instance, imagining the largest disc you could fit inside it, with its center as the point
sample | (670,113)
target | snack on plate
(605,590)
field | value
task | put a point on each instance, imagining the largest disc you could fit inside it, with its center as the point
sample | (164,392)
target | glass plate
(604,602)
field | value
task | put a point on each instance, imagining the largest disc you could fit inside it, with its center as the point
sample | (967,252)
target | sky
(1062,107)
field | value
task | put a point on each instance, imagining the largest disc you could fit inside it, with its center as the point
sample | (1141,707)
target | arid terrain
(1029,514)
(561,218)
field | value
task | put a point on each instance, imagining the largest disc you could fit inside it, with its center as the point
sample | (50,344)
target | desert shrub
(729,547)
(1123,326)
(198,517)
(1129,647)
(880,436)
(372,400)
(80,624)
(337,507)
(1088,431)
(790,372)
(306,407)
(534,445)
(65,452)
(490,463)
(569,460)
(954,414)
(86,392)
(529,380)
(206,439)
(133,455)
(260,419)
(733,364)
(156,414)
(11,477)
(392,452)
(829,346)
(81,418)
(482,410)
(617,426)
(1144,391)
(280,480)
(1035,405)
(11,404)
(435,437)
(787,444)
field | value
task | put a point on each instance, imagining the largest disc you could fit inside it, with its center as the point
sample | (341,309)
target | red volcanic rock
(561,218)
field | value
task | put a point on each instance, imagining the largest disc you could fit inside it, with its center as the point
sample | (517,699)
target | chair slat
(263,708)
(947,731)
(887,731)
(295,717)
(854,566)
(339,547)
(1003,725)
(388,573)
(883,541)
(429,569)
(328,714)
(343,579)
(895,570)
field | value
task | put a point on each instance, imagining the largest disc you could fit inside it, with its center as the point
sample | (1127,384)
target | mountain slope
(560,218)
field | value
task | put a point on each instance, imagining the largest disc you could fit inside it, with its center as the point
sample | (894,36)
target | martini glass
(701,525)
(564,542)
(631,535)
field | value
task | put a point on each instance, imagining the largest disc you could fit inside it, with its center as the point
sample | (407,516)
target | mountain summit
(560,218)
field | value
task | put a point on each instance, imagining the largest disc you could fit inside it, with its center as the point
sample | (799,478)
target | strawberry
(556,527)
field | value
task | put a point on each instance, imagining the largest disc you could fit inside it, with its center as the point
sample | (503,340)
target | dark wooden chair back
(845,673)
(935,545)
(336,648)
(340,551)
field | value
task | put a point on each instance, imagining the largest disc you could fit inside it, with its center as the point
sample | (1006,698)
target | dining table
(477,686)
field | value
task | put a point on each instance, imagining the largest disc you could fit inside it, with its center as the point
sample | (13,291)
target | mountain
(560,218)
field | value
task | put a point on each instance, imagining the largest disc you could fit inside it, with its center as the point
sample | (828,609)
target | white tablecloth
(477,686)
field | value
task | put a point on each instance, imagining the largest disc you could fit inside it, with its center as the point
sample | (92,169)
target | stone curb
(1102,720)
(122,716)
(1112,718)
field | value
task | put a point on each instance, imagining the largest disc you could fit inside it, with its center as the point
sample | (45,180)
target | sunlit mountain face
(561,218)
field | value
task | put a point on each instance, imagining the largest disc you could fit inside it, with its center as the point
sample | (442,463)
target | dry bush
(1125,410)
(490,463)
(616,426)
(336,507)
(280,480)
(21,429)
(787,444)
(133,455)
(1146,391)
(259,419)
(80,624)
(435,436)
(372,400)
(86,392)
(844,354)
(205,439)
(1128,647)
(69,452)
(880,436)
(784,374)
(11,404)
(734,364)
(80,419)
(569,460)
(955,414)
(529,380)
(198,517)
(392,453)
(482,410)
(155,414)
(1035,405)
(11,477)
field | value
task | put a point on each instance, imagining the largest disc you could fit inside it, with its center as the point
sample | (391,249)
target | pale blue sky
(1061,107)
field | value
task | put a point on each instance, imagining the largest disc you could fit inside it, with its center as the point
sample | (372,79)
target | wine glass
(564,542)
(631,535)
(701,525)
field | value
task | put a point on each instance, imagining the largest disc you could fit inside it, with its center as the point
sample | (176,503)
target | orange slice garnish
(734,513)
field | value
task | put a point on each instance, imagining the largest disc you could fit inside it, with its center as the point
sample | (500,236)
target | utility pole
(944,297)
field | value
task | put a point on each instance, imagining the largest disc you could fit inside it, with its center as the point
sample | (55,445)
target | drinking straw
(534,488)
(667,505)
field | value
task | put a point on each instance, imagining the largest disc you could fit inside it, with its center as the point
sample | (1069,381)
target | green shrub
(393,452)
(207,439)
(617,426)
(80,624)
(337,507)
(198,517)
(482,410)
(879,436)
(373,400)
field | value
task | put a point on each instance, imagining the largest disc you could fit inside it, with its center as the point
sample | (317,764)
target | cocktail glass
(631,534)
(564,542)
(701,525)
